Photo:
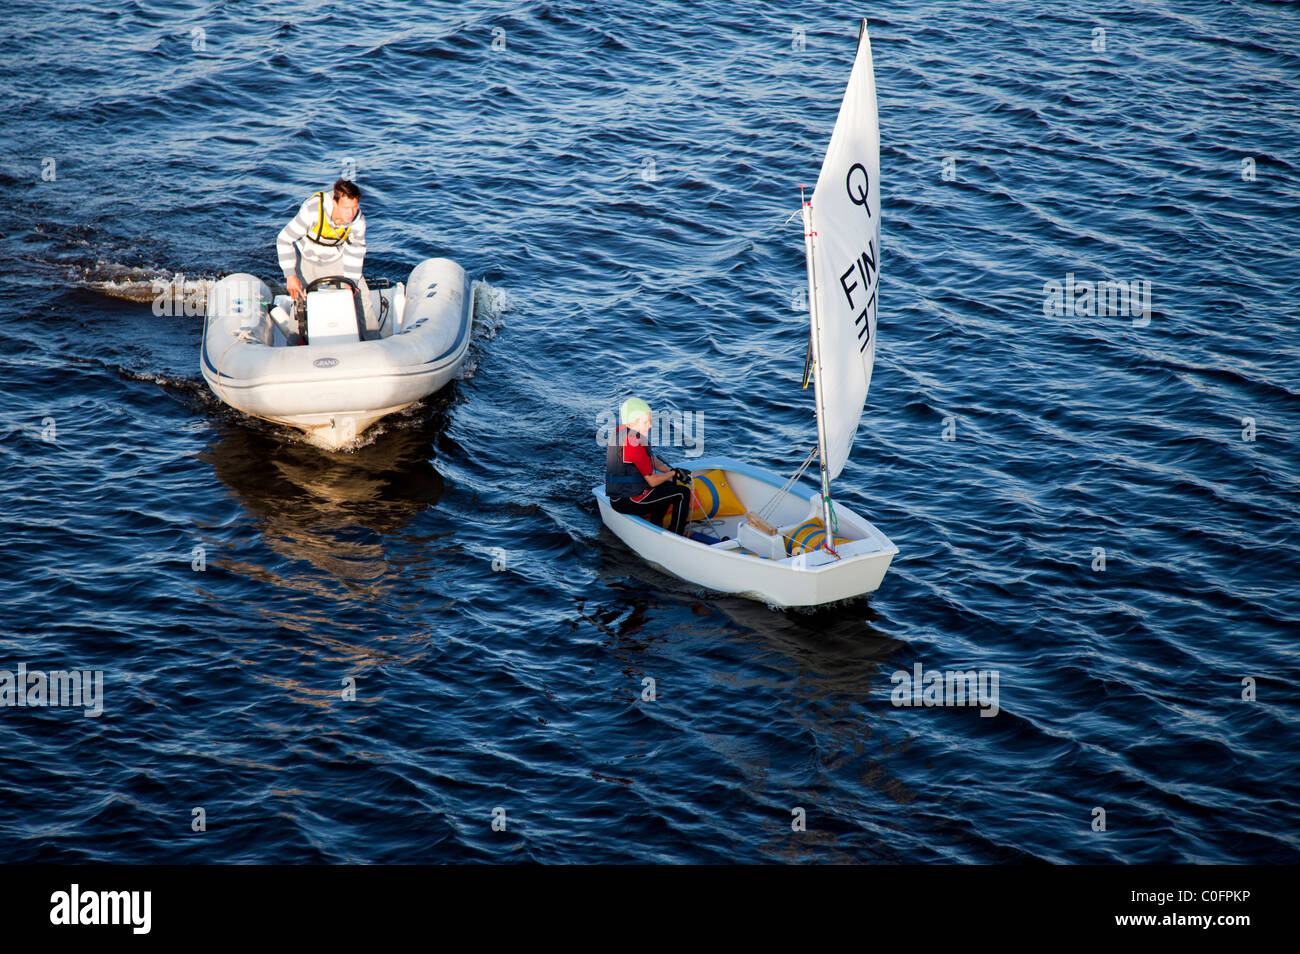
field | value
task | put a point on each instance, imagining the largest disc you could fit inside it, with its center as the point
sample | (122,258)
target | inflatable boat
(319,365)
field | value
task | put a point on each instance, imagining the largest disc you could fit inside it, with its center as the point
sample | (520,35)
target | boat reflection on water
(837,641)
(320,539)
(832,640)
(331,509)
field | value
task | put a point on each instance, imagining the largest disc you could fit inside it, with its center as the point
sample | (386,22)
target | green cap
(632,409)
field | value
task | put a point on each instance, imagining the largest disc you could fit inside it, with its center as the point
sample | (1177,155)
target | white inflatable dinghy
(325,372)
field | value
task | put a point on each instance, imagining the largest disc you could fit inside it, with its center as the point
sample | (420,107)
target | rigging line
(771,503)
(695,502)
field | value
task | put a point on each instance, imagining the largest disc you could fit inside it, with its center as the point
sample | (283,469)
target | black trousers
(654,504)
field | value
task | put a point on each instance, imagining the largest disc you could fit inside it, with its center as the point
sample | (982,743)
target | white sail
(843,263)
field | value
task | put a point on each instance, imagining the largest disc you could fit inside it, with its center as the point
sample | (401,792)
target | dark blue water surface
(621,178)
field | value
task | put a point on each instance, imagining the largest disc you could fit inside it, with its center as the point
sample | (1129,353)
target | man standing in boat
(326,238)
(637,481)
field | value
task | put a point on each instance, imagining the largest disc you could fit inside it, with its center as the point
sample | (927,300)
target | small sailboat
(753,533)
(330,376)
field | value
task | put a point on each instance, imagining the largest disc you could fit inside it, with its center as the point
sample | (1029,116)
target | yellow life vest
(327,233)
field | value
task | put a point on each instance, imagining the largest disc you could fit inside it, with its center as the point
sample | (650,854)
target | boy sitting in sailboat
(637,481)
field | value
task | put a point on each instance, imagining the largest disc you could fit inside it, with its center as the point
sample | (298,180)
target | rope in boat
(835,518)
(695,503)
(771,503)
(834,528)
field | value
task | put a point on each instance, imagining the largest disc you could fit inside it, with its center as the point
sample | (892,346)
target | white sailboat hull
(334,390)
(769,557)
(803,580)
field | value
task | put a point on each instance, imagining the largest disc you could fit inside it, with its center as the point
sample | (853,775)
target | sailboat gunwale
(728,569)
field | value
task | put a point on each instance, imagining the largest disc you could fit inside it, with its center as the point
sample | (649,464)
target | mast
(809,237)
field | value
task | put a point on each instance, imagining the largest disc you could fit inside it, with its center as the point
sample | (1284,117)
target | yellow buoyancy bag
(714,497)
(807,537)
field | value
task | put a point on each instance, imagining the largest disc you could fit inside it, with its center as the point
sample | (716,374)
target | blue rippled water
(621,178)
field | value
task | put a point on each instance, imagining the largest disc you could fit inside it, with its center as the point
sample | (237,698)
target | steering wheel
(332,281)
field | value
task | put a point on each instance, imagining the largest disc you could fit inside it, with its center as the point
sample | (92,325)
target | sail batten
(842,228)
